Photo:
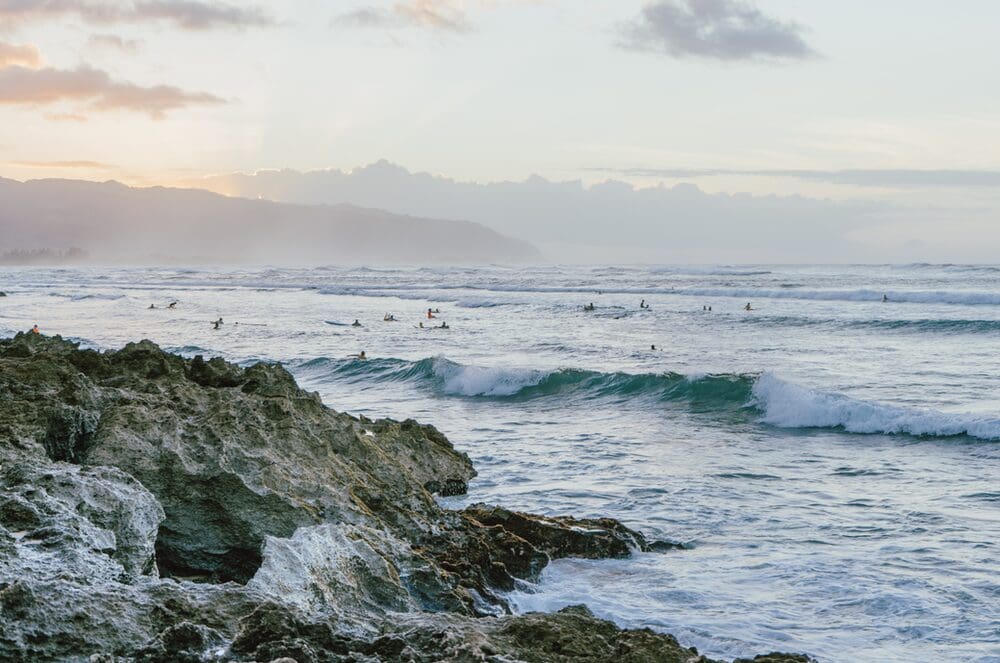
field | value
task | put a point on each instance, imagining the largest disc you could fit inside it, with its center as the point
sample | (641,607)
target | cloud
(94,88)
(195,15)
(889,178)
(93,165)
(714,29)
(114,42)
(187,14)
(436,15)
(23,55)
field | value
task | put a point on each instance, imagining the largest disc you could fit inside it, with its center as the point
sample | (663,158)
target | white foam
(788,405)
(484,380)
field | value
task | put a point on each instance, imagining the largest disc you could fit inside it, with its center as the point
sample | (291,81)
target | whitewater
(829,461)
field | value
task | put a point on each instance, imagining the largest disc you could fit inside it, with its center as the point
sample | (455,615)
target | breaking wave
(764,397)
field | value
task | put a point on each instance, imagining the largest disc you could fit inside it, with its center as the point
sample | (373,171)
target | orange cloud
(22,86)
(443,15)
(24,55)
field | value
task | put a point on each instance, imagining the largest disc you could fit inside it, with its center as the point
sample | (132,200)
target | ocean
(830,459)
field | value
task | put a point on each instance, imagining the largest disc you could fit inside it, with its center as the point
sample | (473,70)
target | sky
(895,101)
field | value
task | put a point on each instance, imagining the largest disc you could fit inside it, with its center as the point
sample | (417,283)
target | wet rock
(571,635)
(214,373)
(564,536)
(90,523)
(65,619)
(183,643)
(574,634)
(340,571)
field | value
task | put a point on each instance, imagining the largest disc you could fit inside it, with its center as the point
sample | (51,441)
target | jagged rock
(232,455)
(571,635)
(319,567)
(313,535)
(183,643)
(86,522)
(68,620)
(564,536)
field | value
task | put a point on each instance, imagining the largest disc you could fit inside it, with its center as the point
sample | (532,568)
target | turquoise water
(830,460)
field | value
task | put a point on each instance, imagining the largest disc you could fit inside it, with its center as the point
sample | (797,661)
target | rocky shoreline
(156,508)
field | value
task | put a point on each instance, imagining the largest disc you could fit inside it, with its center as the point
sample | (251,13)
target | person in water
(389,317)
(172,305)
(885,298)
(589,307)
(421,325)
(430,314)
(152,306)
(215,325)
(361,356)
(748,307)
(35,330)
(356,323)
(652,347)
(444,325)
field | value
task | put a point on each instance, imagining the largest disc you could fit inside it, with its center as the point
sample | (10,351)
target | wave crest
(763,397)
(789,405)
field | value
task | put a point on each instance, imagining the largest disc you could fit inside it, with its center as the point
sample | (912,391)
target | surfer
(444,325)
(885,298)
(652,347)
(356,323)
(152,306)
(217,323)
(361,356)
(589,307)
(388,317)
(172,305)
(748,307)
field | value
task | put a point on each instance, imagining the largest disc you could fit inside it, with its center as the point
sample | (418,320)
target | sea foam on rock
(156,508)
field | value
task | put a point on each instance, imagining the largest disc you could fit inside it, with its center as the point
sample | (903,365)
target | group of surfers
(643,305)
(389,317)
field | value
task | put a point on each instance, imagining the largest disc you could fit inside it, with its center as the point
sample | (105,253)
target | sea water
(829,460)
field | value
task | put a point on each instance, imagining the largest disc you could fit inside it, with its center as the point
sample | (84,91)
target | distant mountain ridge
(111,221)
(609,221)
